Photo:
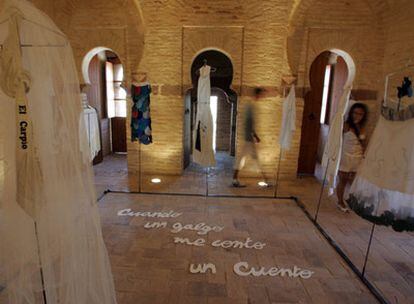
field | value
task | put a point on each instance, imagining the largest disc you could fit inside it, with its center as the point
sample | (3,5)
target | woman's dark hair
(350,121)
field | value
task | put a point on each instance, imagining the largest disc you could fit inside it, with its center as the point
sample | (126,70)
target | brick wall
(399,44)
(352,26)
(264,39)
(251,35)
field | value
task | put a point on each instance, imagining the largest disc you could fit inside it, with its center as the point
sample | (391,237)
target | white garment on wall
(92,131)
(48,212)
(288,120)
(203,131)
(332,153)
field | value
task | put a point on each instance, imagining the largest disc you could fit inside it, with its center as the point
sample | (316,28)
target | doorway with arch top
(223,107)
(103,75)
(329,73)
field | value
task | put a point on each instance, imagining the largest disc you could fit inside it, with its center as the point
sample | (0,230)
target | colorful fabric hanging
(141,118)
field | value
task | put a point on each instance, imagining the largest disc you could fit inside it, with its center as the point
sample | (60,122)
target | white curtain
(332,153)
(49,221)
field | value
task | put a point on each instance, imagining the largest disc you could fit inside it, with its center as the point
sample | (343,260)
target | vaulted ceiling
(378,7)
(62,10)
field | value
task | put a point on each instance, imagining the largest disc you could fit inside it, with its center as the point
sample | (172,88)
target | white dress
(332,153)
(383,190)
(203,152)
(289,120)
(50,231)
(90,117)
(352,153)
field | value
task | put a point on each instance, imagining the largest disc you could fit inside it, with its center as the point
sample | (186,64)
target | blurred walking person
(251,139)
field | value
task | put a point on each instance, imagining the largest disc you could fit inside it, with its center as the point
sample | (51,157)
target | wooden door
(311,116)
(118,128)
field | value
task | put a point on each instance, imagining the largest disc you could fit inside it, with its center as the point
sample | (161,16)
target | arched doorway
(329,73)
(102,71)
(223,104)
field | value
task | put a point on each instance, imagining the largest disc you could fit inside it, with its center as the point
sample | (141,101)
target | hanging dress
(51,242)
(288,120)
(383,190)
(332,154)
(140,114)
(90,117)
(203,152)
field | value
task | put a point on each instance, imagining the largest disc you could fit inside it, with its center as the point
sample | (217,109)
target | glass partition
(349,231)
(382,255)
(193,179)
(390,264)
(306,188)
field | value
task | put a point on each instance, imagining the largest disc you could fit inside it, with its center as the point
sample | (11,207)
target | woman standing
(353,148)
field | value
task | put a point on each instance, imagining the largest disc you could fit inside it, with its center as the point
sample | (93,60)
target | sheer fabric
(288,120)
(50,230)
(383,191)
(332,153)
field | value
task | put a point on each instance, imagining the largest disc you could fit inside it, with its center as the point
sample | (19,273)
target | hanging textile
(383,191)
(203,152)
(332,154)
(141,116)
(91,121)
(51,242)
(288,120)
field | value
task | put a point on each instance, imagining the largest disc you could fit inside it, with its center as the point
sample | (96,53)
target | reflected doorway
(328,75)
(104,75)
(223,106)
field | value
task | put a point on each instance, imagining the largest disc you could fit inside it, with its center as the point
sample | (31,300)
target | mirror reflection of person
(353,148)
(251,139)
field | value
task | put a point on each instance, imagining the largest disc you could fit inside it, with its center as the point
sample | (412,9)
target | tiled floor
(390,266)
(391,261)
(149,268)
(112,174)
